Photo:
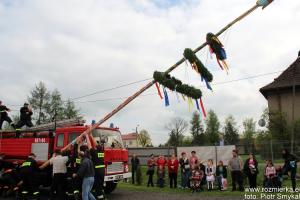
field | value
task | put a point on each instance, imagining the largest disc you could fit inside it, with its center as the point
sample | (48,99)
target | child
(270,174)
(196,178)
(221,173)
(161,176)
(210,174)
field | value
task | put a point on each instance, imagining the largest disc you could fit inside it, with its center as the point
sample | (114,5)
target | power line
(218,83)
(109,89)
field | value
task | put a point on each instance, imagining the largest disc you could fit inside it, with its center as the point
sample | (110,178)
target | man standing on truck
(28,172)
(25,116)
(4,115)
(98,160)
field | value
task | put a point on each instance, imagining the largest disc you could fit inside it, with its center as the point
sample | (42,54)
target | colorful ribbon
(190,103)
(197,104)
(167,103)
(202,108)
(158,90)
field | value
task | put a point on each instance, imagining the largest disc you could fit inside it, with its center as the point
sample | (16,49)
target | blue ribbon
(208,85)
(166,97)
(197,104)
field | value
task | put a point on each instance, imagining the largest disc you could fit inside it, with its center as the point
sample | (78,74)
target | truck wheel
(110,186)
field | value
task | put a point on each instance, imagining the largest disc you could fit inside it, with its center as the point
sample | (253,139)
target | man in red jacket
(173,168)
(161,163)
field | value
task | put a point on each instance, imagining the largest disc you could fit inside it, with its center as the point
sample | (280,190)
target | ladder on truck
(50,126)
(135,95)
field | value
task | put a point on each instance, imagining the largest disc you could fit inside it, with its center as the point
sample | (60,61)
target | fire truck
(44,142)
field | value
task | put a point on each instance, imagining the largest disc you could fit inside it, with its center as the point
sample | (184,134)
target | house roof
(129,136)
(285,79)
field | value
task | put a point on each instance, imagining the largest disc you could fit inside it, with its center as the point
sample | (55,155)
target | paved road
(120,194)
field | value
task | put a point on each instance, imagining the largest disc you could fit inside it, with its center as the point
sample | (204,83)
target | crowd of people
(199,175)
(75,173)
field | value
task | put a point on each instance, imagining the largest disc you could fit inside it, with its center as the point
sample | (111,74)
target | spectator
(150,171)
(193,160)
(203,169)
(270,174)
(173,169)
(135,162)
(185,170)
(221,172)
(235,166)
(290,164)
(59,164)
(251,170)
(87,173)
(210,174)
(161,163)
(196,179)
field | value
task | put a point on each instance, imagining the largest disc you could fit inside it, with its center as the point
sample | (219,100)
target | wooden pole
(127,101)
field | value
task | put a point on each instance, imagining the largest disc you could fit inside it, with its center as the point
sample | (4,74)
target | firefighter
(25,118)
(28,172)
(4,116)
(97,154)
(75,164)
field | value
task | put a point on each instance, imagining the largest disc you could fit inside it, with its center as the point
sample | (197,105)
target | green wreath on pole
(176,85)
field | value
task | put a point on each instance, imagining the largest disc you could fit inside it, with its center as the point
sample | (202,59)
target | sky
(80,47)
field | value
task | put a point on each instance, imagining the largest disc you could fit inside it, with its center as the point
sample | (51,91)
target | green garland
(174,84)
(192,58)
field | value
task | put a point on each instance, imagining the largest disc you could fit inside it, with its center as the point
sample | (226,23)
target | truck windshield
(113,138)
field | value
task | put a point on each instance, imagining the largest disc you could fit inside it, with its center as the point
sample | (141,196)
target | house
(130,140)
(283,94)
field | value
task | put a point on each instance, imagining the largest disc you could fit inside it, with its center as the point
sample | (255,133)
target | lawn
(167,189)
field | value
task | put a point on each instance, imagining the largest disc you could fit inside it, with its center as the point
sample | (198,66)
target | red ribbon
(158,90)
(202,108)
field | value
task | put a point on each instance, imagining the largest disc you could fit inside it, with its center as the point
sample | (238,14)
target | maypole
(259,3)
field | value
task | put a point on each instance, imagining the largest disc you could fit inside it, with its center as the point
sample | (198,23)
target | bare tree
(176,127)
(144,138)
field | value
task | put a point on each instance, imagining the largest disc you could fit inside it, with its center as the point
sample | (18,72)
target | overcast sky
(80,47)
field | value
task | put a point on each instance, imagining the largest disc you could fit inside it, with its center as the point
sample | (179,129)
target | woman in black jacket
(251,170)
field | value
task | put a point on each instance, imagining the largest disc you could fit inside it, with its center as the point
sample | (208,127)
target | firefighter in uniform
(25,116)
(4,116)
(28,172)
(98,160)
(75,164)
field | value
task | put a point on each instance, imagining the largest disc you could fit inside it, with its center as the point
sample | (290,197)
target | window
(60,140)
(72,136)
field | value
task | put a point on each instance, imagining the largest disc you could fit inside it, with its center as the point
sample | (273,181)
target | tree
(197,131)
(39,99)
(70,110)
(177,127)
(231,135)
(249,133)
(144,138)
(187,141)
(212,127)
(55,109)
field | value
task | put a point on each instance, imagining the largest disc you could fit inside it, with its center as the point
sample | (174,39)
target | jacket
(248,170)
(173,166)
(25,114)
(86,168)
(222,172)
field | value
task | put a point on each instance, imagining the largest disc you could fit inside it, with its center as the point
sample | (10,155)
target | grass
(143,187)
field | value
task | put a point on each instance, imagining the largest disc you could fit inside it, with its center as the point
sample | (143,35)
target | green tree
(187,141)
(55,109)
(39,99)
(197,131)
(231,135)
(248,134)
(144,138)
(212,127)
(177,127)
(70,111)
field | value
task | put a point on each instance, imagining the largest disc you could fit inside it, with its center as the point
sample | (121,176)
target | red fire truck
(43,144)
